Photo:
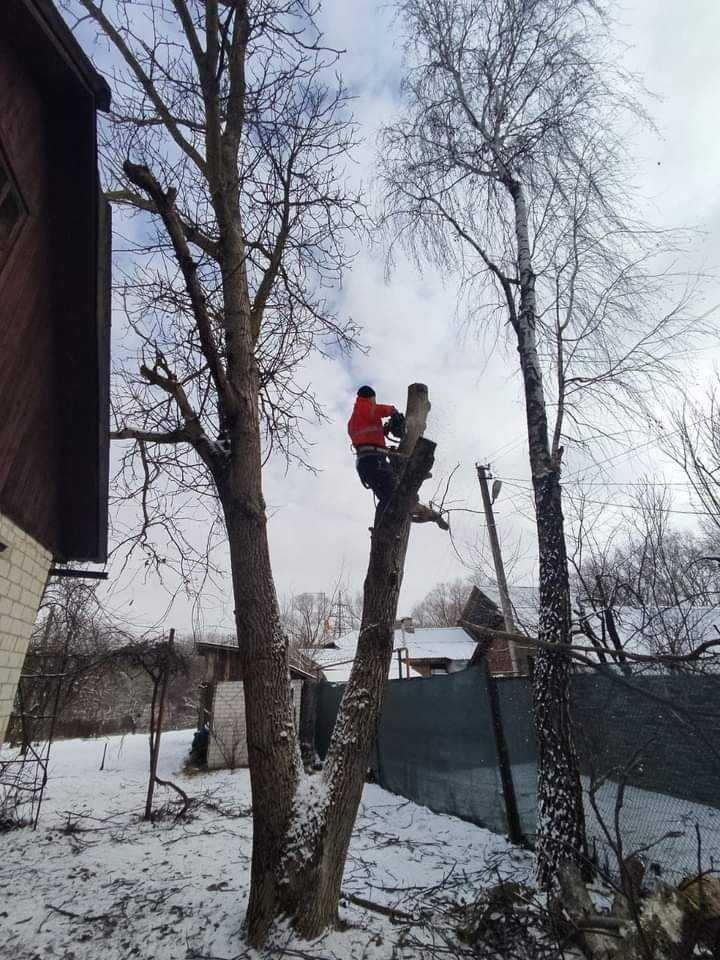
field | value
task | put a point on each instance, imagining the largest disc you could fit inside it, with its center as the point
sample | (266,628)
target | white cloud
(319,522)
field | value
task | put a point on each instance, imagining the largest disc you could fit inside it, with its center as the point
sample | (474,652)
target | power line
(611,503)
(634,506)
(609,483)
(507,448)
(628,453)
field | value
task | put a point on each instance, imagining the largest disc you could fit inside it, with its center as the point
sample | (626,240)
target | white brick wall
(228,744)
(24,567)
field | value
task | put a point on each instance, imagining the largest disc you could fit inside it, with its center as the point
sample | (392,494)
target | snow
(95,881)
(662,827)
(425,643)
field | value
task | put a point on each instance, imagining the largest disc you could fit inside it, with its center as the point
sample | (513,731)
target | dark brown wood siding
(54,293)
(29,459)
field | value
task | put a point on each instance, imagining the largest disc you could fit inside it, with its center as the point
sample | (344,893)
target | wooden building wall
(29,426)
(54,289)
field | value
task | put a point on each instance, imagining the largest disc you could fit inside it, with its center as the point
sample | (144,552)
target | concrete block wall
(24,566)
(227,747)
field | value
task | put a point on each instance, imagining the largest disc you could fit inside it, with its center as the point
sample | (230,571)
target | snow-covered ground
(95,881)
(662,829)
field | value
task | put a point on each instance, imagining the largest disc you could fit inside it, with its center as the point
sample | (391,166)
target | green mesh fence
(655,738)
(649,750)
(435,745)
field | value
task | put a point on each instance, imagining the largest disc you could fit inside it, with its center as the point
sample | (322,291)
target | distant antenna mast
(339,619)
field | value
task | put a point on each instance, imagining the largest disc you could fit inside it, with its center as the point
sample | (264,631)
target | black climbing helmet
(366,392)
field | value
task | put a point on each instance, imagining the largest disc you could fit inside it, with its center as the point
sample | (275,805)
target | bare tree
(314,619)
(694,445)
(443,605)
(506,167)
(61,682)
(159,660)
(643,582)
(230,138)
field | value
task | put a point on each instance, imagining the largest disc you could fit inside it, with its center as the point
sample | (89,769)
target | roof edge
(53,23)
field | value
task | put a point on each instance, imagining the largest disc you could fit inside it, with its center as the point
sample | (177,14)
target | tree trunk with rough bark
(234,139)
(561,821)
(327,803)
(273,755)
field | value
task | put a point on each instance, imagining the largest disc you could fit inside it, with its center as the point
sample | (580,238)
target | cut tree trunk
(661,923)
(302,825)
(328,803)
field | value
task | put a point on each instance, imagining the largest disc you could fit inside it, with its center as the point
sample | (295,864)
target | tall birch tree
(507,165)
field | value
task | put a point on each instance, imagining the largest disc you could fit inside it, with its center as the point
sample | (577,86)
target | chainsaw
(394,428)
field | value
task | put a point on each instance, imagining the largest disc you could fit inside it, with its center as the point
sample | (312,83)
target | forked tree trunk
(302,825)
(328,803)
(561,821)
(273,755)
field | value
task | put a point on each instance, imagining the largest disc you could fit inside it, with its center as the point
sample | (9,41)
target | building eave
(47,18)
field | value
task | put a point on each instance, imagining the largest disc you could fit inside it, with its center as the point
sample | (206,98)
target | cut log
(596,944)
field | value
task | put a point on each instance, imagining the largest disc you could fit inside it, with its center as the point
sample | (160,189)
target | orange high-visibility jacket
(365,425)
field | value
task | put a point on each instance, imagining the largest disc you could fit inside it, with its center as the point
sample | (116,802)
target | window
(12,211)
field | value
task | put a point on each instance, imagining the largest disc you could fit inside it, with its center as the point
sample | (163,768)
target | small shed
(54,318)
(222,699)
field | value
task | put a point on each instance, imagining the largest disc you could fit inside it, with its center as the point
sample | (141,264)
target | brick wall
(499,658)
(227,747)
(24,567)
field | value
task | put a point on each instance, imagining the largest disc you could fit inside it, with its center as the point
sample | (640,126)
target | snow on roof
(436,643)
(340,672)
(425,643)
(641,630)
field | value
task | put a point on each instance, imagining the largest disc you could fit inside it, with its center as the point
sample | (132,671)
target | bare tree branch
(147,85)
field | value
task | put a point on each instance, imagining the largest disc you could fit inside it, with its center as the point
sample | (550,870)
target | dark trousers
(376,473)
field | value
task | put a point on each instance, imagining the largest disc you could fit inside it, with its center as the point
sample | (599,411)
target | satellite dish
(496,488)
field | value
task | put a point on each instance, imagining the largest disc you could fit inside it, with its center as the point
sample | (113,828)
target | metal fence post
(508,787)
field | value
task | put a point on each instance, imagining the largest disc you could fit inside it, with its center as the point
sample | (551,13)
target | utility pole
(483,472)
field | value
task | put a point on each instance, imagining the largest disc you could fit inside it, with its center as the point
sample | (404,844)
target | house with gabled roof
(417,652)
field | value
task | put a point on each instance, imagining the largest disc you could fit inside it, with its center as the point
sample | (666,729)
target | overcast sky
(319,524)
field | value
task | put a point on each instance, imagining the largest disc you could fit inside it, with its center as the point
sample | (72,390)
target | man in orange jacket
(368,438)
